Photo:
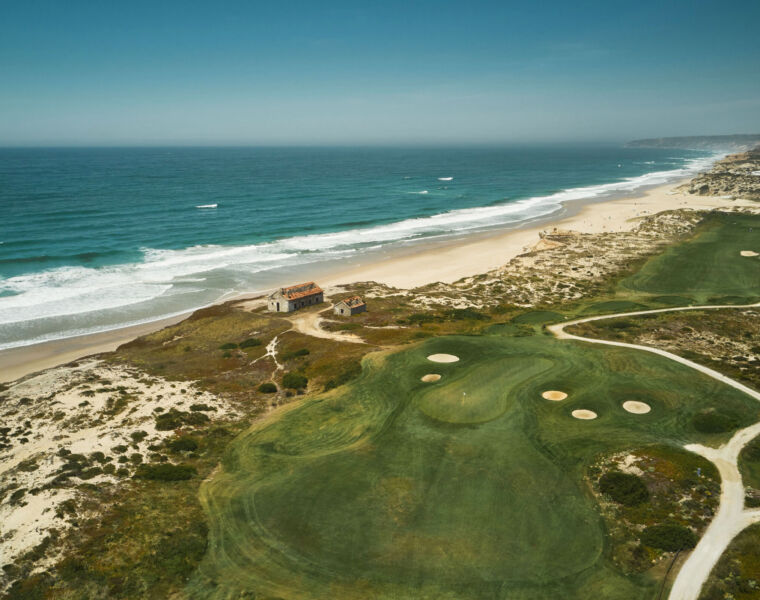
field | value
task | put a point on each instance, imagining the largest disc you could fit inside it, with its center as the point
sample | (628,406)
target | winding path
(308,323)
(731,517)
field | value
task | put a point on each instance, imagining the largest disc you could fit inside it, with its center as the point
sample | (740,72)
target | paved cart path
(731,517)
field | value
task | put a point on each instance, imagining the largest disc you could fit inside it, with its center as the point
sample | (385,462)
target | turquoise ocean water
(94,239)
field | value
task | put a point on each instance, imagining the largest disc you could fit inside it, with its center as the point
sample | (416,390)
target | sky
(326,73)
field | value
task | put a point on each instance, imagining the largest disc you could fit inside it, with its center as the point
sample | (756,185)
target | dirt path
(731,517)
(309,324)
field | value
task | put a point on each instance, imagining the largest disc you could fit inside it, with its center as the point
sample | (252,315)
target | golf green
(469,488)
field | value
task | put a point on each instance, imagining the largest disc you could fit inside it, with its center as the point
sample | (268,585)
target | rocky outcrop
(737,175)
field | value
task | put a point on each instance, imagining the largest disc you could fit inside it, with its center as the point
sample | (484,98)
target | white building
(294,297)
(350,306)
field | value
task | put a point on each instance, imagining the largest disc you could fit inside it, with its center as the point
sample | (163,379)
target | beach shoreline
(413,266)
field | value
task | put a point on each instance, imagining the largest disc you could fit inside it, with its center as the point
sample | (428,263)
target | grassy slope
(708,265)
(380,491)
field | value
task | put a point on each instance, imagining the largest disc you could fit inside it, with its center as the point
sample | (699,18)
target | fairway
(708,266)
(469,488)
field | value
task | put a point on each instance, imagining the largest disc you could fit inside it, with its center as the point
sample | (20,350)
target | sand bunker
(443,358)
(430,377)
(554,395)
(584,414)
(748,253)
(637,408)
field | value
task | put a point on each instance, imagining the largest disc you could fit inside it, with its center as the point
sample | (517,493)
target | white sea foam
(207,206)
(445,178)
(163,274)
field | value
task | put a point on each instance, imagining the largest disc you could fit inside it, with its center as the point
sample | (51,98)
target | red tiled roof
(352,302)
(294,292)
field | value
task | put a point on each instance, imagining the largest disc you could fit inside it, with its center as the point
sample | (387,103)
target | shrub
(165,472)
(250,343)
(751,451)
(460,314)
(90,473)
(294,381)
(174,419)
(268,388)
(195,418)
(228,346)
(120,449)
(169,420)
(138,436)
(670,537)
(296,353)
(201,407)
(421,318)
(183,444)
(714,422)
(98,456)
(624,488)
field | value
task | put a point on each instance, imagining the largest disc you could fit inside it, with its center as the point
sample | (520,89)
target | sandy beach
(445,262)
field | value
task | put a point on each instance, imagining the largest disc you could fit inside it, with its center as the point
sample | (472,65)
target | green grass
(614,306)
(538,317)
(471,487)
(707,266)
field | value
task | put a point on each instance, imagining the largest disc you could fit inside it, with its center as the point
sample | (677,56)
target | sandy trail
(271,351)
(309,324)
(731,517)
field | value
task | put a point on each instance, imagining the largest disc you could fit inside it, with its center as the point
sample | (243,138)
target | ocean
(93,239)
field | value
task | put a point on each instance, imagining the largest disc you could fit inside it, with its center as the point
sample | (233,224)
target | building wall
(349,311)
(292,305)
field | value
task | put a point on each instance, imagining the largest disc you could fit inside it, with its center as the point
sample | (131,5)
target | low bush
(201,407)
(294,381)
(296,353)
(624,488)
(420,319)
(461,314)
(228,346)
(174,419)
(138,436)
(169,420)
(165,472)
(90,473)
(714,422)
(268,388)
(670,537)
(250,343)
(183,444)
(751,451)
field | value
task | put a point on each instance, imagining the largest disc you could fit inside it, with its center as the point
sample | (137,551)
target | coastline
(411,267)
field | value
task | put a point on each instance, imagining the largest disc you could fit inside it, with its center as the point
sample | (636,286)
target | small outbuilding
(292,298)
(350,306)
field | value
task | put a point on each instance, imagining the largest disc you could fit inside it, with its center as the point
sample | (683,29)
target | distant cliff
(701,142)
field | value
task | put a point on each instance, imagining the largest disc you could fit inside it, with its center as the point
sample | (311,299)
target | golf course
(471,486)
(720,263)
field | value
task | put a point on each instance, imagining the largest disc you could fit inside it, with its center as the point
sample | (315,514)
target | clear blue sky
(292,72)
